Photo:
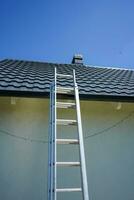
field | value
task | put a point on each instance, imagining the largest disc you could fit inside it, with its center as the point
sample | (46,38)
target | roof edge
(30,94)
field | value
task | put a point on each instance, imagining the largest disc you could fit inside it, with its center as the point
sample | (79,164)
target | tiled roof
(26,77)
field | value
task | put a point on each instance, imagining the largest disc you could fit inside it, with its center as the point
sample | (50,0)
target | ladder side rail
(54,137)
(81,143)
(53,125)
(50,147)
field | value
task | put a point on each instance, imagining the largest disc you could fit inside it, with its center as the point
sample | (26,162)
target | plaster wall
(109,145)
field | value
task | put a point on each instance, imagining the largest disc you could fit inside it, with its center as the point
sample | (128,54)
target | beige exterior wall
(109,146)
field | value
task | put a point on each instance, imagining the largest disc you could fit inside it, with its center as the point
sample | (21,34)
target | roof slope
(25,77)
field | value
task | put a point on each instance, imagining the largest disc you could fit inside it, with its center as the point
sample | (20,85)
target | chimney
(77,59)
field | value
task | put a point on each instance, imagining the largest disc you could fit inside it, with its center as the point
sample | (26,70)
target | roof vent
(77,59)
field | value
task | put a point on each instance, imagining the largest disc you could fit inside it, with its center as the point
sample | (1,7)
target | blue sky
(53,31)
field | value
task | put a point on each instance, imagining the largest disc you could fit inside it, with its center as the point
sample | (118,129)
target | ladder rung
(68,164)
(69,190)
(66,122)
(67,141)
(65,75)
(65,90)
(65,105)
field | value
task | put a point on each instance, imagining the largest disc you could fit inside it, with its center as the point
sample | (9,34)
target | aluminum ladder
(54,141)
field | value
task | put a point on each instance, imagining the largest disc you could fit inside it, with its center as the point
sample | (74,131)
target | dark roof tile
(26,76)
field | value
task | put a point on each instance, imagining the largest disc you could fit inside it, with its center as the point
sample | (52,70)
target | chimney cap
(77,59)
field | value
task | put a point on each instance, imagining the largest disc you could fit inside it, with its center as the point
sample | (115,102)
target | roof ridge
(111,67)
(83,65)
(41,62)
